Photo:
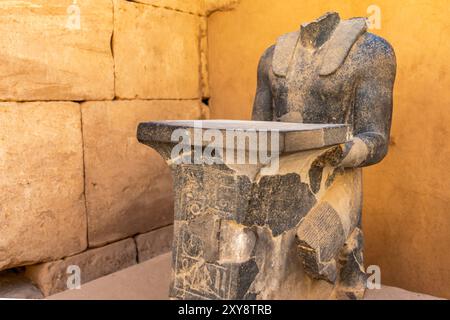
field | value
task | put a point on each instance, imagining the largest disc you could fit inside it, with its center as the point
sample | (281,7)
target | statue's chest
(306,96)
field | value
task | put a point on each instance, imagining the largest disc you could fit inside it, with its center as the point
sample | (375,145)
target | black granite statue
(332,71)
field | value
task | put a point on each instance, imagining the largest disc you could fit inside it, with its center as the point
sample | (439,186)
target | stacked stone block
(76,79)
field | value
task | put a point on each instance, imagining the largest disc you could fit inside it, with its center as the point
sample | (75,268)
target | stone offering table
(247,231)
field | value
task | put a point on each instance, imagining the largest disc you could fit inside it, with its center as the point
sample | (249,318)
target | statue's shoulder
(267,56)
(374,55)
(337,48)
(283,51)
(333,53)
(372,47)
(265,62)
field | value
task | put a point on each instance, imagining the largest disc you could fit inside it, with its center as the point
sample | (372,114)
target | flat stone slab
(293,136)
(150,281)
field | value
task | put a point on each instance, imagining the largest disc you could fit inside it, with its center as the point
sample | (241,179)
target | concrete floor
(150,281)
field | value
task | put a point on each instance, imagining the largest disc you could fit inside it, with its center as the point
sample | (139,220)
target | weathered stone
(47,55)
(128,186)
(154,243)
(188,6)
(151,280)
(165,67)
(42,209)
(14,285)
(292,136)
(319,74)
(308,76)
(230,225)
(321,235)
(53,277)
(290,227)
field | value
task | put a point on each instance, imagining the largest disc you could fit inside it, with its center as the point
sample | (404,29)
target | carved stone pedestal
(285,230)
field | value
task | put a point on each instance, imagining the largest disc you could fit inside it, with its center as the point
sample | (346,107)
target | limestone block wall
(76,78)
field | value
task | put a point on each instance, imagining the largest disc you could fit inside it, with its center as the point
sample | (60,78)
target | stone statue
(291,231)
(332,71)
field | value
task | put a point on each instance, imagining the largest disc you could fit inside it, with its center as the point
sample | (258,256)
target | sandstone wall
(407,199)
(76,188)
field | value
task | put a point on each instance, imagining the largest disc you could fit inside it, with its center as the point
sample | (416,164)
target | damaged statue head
(293,233)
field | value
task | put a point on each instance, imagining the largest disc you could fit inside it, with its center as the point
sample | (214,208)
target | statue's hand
(333,156)
(351,154)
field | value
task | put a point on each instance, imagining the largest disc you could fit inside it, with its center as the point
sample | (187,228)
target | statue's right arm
(262,106)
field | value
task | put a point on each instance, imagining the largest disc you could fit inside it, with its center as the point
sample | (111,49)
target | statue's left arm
(262,107)
(372,105)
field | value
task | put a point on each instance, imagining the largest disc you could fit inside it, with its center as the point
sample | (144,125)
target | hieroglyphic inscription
(194,276)
(206,190)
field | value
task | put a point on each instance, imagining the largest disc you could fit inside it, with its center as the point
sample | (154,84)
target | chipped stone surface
(52,277)
(150,281)
(48,56)
(229,227)
(14,285)
(128,186)
(42,210)
(332,71)
(167,67)
(292,232)
(154,243)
